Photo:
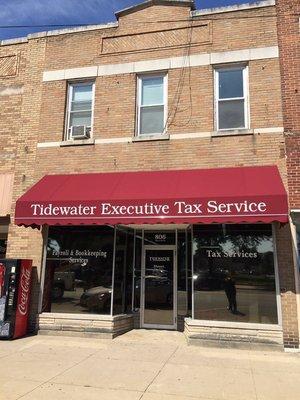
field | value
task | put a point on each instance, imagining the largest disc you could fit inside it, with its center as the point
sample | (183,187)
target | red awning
(223,195)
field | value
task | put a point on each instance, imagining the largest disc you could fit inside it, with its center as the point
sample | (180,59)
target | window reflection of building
(245,251)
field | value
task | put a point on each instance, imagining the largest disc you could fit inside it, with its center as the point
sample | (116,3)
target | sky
(64,12)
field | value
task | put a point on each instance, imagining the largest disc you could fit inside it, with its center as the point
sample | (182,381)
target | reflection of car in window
(96,299)
(62,281)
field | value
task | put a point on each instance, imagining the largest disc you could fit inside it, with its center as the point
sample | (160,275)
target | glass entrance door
(159,288)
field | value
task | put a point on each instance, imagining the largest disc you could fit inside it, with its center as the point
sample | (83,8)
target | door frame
(142,308)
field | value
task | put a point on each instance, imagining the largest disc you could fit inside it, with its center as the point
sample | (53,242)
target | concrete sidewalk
(148,365)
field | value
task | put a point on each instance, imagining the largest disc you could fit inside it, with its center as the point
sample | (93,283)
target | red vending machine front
(15,287)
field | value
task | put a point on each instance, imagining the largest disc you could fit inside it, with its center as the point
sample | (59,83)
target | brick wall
(12,69)
(288,28)
(287,286)
(288,12)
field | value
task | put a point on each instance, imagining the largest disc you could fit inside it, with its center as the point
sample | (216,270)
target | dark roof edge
(148,3)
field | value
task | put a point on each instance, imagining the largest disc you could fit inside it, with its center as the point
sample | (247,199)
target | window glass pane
(78,277)
(81,106)
(231,114)
(82,92)
(152,91)
(234,278)
(80,118)
(152,120)
(231,84)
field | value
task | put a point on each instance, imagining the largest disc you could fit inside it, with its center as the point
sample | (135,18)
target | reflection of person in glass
(230,290)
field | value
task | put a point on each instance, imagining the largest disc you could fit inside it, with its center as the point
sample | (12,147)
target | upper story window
(231,98)
(80,110)
(152,104)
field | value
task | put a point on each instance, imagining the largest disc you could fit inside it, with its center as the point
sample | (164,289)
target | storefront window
(78,276)
(122,295)
(233,274)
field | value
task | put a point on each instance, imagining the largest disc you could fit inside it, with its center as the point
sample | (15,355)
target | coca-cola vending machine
(15,286)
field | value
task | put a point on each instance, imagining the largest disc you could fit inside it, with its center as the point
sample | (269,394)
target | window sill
(147,138)
(233,132)
(80,142)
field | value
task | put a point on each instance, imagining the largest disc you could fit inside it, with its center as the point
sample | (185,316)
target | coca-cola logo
(24,291)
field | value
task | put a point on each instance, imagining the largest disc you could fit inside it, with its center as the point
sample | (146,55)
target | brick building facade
(182,59)
(288,14)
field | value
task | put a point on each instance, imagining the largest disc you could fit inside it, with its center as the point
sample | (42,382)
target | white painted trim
(139,105)
(244,98)
(236,7)
(70,89)
(195,60)
(173,136)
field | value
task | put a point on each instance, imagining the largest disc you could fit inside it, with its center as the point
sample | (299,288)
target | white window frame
(70,89)
(245,98)
(140,78)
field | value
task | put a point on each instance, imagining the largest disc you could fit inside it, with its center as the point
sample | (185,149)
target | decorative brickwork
(8,66)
